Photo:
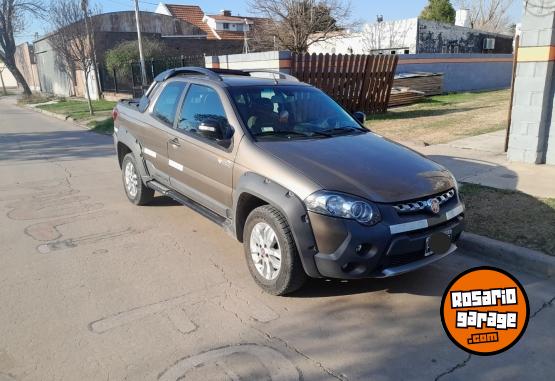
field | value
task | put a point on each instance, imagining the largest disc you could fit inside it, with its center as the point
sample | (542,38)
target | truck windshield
(292,112)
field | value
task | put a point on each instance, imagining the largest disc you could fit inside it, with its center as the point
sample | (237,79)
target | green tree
(119,57)
(439,10)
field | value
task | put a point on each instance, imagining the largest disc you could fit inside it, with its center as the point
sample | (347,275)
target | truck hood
(365,165)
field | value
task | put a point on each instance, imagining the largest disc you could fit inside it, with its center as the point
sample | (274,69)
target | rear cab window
(166,105)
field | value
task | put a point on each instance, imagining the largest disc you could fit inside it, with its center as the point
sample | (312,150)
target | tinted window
(167,102)
(201,104)
(292,112)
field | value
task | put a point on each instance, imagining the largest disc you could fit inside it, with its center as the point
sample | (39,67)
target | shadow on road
(427,281)
(64,145)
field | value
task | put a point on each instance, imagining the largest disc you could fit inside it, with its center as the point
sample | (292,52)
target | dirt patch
(444,118)
(510,216)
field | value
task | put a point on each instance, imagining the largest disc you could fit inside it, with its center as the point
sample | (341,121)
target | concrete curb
(516,256)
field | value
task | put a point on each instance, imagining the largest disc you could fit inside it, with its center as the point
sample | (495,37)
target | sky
(363,10)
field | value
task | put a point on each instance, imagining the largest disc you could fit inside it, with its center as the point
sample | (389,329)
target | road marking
(149,152)
(48,230)
(251,308)
(125,317)
(178,318)
(276,366)
(175,165)
(89,239)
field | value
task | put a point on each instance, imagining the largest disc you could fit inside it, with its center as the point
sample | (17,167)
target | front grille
(419,205)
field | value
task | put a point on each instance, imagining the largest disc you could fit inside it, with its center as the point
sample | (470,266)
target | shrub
(121,55)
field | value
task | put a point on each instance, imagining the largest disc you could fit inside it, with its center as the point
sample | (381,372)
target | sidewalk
(481,160)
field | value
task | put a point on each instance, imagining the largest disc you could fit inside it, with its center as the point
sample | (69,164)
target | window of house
(166,105)
(226,25)
(201,103)
(407,51)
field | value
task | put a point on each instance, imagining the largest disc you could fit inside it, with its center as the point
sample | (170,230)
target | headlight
(343,206)
(455,182)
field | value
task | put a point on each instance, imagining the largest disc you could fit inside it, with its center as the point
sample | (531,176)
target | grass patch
(510,216)
(105,126)
(79,109)
(443,118)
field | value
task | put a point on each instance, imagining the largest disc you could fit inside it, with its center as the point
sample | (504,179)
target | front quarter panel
(290,205)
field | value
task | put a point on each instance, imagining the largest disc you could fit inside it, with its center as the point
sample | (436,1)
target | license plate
(437,244)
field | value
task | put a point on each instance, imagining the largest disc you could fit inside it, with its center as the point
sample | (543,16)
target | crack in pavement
(268,336)
(549,303)
(460,365)
(453,369)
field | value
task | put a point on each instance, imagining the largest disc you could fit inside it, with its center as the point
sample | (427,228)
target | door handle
(175,142)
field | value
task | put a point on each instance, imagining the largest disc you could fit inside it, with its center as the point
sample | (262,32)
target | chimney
(462,19)
(225,12)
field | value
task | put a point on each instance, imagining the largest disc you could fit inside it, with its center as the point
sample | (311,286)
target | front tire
(271,253)
(136,191)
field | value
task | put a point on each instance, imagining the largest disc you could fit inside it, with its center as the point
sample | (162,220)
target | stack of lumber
(428,83)
(401,96)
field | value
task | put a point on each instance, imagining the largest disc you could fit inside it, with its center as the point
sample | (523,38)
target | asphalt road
(94,288)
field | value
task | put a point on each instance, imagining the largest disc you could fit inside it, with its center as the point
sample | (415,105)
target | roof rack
(187,70)
(274,72)
(214,74)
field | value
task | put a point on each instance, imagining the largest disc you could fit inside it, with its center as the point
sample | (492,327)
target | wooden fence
(357,82)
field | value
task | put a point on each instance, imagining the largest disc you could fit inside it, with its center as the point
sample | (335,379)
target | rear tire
(267,237)
(137,192)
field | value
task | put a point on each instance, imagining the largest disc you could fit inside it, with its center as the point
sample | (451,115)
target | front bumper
(349,250)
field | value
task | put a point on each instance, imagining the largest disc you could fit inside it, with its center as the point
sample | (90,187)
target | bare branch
(488,15)
(12,21)
(71,38)
(297,24)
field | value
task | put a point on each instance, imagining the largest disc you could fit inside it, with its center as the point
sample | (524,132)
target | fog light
(358,249)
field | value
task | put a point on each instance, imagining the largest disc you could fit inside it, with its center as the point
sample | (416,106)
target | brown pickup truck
(307,189)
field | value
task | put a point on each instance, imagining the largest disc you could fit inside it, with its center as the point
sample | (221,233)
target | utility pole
(142,58)
(245,37)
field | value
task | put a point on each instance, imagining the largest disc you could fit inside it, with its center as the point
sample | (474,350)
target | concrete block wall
(532,134)
(462,72)
(273,60)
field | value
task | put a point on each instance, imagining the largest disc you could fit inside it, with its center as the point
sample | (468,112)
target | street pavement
(94,288)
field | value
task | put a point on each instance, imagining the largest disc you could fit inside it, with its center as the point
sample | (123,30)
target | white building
(414,36)
(6,77)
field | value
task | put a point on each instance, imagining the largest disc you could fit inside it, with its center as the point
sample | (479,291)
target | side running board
(184,200)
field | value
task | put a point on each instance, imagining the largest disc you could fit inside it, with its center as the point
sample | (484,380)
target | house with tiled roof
(222,26)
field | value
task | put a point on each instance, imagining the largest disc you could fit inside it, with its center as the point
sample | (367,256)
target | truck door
(199,167)
(155,134)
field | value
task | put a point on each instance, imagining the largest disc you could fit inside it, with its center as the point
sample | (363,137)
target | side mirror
(216,129)
(211,128)
(360,116)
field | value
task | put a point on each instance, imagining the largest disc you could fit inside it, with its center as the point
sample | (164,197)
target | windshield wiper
(345,129)
(287,133)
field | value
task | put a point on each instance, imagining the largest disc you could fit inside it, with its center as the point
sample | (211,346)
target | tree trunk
(18,77)
(91,111)
(3,85)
